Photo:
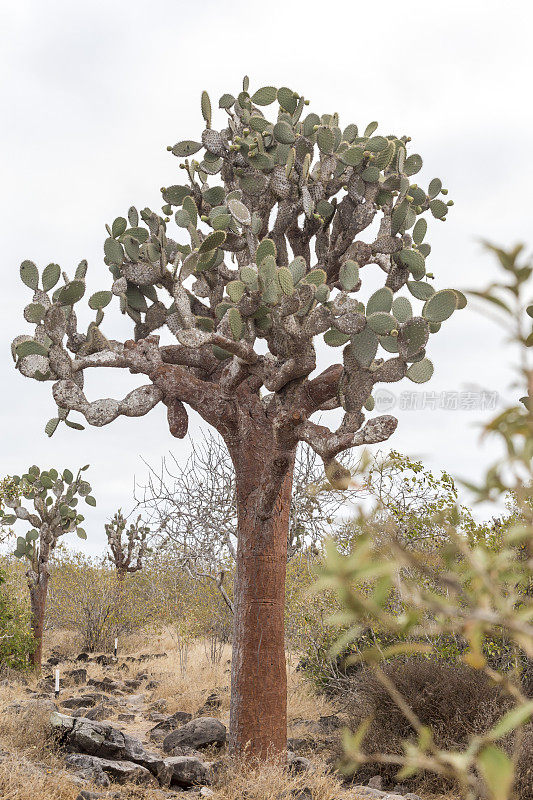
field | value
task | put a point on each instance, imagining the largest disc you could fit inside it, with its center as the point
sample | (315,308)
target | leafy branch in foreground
(469,588)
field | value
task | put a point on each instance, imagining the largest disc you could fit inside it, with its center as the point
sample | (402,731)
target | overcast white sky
(92,93)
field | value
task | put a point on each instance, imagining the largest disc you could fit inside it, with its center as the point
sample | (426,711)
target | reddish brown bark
(258,718)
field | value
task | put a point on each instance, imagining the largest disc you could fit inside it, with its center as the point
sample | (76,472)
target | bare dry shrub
(455,700)
(27,728)
(524,768)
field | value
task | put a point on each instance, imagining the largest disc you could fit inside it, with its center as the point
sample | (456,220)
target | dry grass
(272,782)
(188,690)
(33,768)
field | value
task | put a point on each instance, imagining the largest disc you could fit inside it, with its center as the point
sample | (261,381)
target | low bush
(16,641)
(456,701)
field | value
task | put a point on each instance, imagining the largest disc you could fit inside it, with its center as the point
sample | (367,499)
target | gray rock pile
(101,753)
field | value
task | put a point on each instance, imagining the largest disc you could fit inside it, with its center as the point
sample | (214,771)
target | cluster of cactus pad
(266,247)
(54,498)
(127,555)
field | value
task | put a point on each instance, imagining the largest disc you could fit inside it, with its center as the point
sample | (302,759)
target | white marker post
(56,693)
(116,647)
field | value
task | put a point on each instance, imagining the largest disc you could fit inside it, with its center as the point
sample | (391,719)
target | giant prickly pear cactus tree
(265,255)
(128,545)
(54,498)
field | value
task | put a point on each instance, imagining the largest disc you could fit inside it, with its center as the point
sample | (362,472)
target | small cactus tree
(54,498)
(267,255)
(127,553)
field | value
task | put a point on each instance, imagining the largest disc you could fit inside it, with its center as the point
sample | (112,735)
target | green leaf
(113,251)
(81,533)
(90,500)
(352,156)
(420,371)
(73,291)
(186,148)
(284,133)
(381,300)
(370,174)
(376,144)
(68,477)
(438,209)
(381,322)
(206,108)
(413,164)
(497,771)
(239,211)
(30,348)
(74,425)
(212,241)
(414,261)
(100,300)
(34,313)
(51,275)
(215,195)
(141,234)
(335,338)
(325,140)
(349,275)
(265,248)
(316,277)
(118,227)
(226,101)
(370,128)
(29,274)
(510,721)
(235,323)
(434,188)
(420,289)
(287,99)
(440,306)
(265,96)
(8,519)
(419,231)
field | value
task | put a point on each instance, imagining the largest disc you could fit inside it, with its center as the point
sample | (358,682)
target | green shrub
(16,641)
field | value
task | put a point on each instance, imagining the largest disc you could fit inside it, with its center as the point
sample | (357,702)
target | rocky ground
(112,733)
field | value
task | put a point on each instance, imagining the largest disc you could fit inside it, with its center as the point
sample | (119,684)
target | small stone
(98,712)
(298,764)
(330,722)
(76,676)
(212,702)
(376,782)
(187,771)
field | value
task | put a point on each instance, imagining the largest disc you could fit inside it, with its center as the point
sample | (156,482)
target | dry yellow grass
(272,782)
(34,769)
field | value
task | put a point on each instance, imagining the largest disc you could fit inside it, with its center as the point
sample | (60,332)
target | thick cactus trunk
(258,720)
(38,585)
